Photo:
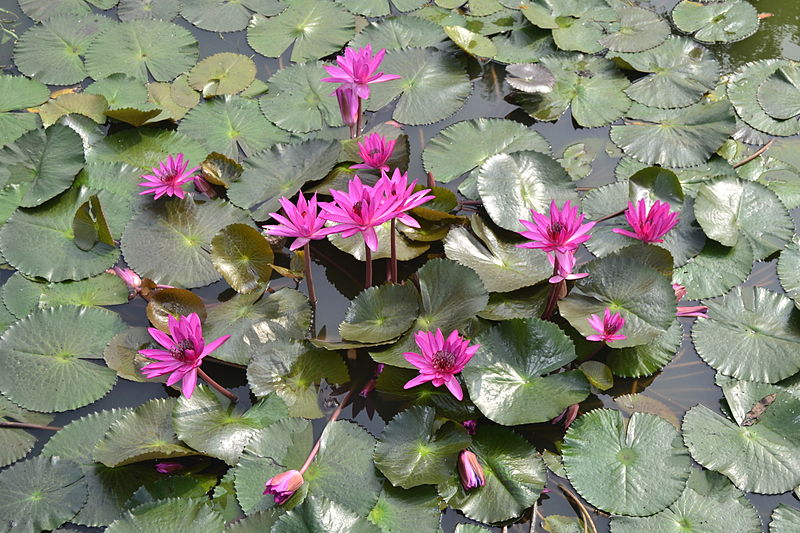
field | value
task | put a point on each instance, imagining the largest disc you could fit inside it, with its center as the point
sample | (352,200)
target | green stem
(309,277)
(368,253)
(333,418)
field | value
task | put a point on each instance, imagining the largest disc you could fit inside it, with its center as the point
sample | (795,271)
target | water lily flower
(284,485)
(470,425)
(169,177)
(400,194)
(441,359)
(302,221)
(607,327)
(375,150)
(692,310)
(357,69)
(166,467)
(648,224)
(680,291)
(131,279)
(568,416)
(563,263)
(470,470)
(562,232)
(348,105)
(184,351)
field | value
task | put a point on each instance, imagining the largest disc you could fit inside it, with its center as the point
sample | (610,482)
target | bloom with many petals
(184,353)
(169,177)
(284,485)
(441,359)
(400,194)
(375,150)
(648,224)
(562,232)
(357,69)
(470,470)
(302,221)
(359,210)
(607,327)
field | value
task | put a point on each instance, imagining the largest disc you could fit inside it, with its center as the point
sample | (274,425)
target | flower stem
(309,278)
(552,295)
(333,418)
(394,254)
(358,120)
(222,390)
(368,253)
(23,425)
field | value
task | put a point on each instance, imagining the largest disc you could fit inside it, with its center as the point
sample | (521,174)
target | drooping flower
(302,221)
(680,291)
(359,210)
(131,279)
(648,224)
(184,351)
(470,425)
(441,359)
(284,485)
(165,467)
(348,105)
(568,416)
(357,69)
(563,263)
(692,310)
(169,177)
(470,470)
(607,327)
(562,232)
(375,150)
(400,194)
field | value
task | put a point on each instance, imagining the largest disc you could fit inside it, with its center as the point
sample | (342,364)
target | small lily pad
(638,29)
(15,443)
(380,314)
(716,22)
(216,16)
(742,88)
(243,256)
(224,73)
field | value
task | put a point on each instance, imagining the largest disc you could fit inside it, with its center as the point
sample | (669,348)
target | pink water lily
(348,105)
(698,311)
(302,221)
(607,327)
(401,196)
(184,351)
(470,470)
(284,485)
(649,224)
(561,232)
(357,68)
(441,359)
(166,467)
(563,264)
(375,150)
(567,416)
(169,177)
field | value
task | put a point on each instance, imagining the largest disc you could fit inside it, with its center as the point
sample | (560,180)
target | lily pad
(785,519)
(224,73)
(317,28)
(764,325)
(16,443)
(716,270)
(321,515)
(177,232)
(610,461)
(216,16)
(380,314)
(789,269)
(716,22)
(46,356)
(779,95)
(646,359)
(638,29)
(122,354)
(417,508)
(243,256)
(508,377)
(742,88)
(19,92)
(91,106)
(472,43)
(145,148)
(406,249)
(24,296)
(523,45)
(398,32)
(173,302)
(171,515)
(147,9)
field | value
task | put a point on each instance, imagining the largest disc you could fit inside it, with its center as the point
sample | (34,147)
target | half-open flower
(284,485)
(470,470)
(563,264)
(441,359)
(169,177)
(375,150)
(607,327)
(348,105)
(649,224)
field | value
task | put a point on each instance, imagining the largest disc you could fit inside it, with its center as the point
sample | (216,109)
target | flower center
(179,351)
(374,151)
(555,229)
(443,361)
(357,207)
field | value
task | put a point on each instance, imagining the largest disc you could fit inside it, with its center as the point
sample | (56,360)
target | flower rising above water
(375,150)
(561,232)
(169,177)
(302,221)
(441,359)
(401,196)
(470,470)
(607,327)
(649,224)
(357,68)
(284,485)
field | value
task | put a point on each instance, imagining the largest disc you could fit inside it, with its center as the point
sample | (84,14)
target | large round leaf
(779,95)
(716,270)
(146,148)
(14,442)
(638,29)
(508,376)
(317,28)
(416,509)
(178,233)
(380,314)
(45,358)
(170,515)
(785,519)
(641,294)
(515,476)
(612,461)
(413,450)
(397,32)
(763,325)
(432,87)
(743,87)
(142,48)
(716,22)
(224,73)
(216,16)
(40,494)
(147,9)
(646,359)
(321,515)
(243,256)
(19,92)
(511,185)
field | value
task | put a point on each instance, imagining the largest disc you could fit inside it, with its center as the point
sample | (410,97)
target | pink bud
(168,468)
(284,485)
(470,470)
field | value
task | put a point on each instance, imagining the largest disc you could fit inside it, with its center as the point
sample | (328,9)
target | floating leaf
(779,95)
(405,248)
(639,29)
(216,16)
(16,443)
(716,22)
(716,270)
(511,386)
(89,105)
(530,78)
(171,515)
(243,256)
(472,43)
(147,9)
(416,509)
(145,148)
(19,92)
(639,403)
(89,225)
(785,519)
(224,73)
(789,269)
(742,90)
(317,28)
(646,359)
(527,44)
(177,232)
(122,354)
(610,461)
(380,314)
(320,515)
(220,170)
(46,357)
(172,302)
(397,32)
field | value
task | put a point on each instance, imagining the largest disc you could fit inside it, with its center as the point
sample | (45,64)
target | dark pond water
(685,382)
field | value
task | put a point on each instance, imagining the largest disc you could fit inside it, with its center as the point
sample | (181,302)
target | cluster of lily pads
(501,272)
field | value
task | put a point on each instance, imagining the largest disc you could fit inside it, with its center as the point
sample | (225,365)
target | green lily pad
(46,352)
(742,88)
(674,138)
(646,359)
(764,325)
(710,504)
(433,86)
(120,91)
(638,29)
(24,296)
(224,73)
(524,45)
(416,509)
(291,369)
(40,494)
(511,185)
(641,294)
(785,519)
(501,265)
(317,28)
(145,148)
(40,10)
(171,515)
(144,434)
(76,441)
(406,249)
(716,22)
(177,232)
(51,52)
(511,386)
(122,354)
(173,302)
(281,171)
(147,9)
(610,461)
(515,476)
(413,450)
(398,32)
(92,106)
(577,158)
(14,125)
(212,425)
(19,92)
(789,269)
(321,515)
(472,43)
(730,208)
(523,303)
(142,48)
(681,72)
(15,443)
(779,95)
(243,256)
(380,314)
(220,170)
(217,16)
(716,270)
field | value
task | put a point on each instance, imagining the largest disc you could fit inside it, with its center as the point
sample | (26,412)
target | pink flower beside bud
(470,425)
(568,416)
(649,224)
(470,470)
(284,485)
(375,150)
(607,327)
(168,468)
